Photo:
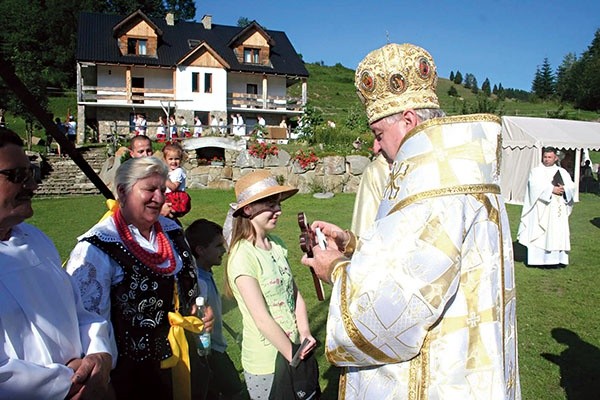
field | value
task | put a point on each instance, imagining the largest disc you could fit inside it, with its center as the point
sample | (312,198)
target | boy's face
(213,253)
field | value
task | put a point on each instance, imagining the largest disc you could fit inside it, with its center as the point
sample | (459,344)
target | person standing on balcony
(234,125)
(241,125)
(222,127)
(184,127)
(214,124)
(140,125)
(197,126)
(172,128)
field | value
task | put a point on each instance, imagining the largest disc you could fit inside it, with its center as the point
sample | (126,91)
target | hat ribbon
(256,188)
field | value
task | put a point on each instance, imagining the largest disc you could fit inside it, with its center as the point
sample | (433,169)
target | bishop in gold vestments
(425,306)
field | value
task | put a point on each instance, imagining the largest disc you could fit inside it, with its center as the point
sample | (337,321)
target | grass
(548,299)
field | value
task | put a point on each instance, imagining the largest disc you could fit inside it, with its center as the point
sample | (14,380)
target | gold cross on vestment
(442,154)
(477,355)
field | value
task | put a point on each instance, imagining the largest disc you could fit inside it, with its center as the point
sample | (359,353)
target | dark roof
(96,43)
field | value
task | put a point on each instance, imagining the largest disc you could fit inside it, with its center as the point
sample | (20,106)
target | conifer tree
(452,76)
(543,85)
(485,87)
(458,78)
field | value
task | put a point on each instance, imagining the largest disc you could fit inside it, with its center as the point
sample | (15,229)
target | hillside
(331,90)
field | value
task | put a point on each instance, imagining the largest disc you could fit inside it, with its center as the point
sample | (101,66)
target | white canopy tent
(523,139)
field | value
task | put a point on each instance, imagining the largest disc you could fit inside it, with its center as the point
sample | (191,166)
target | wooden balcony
(107,94)
(245,100)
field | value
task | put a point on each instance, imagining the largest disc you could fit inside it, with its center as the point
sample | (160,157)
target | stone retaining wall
(336,174)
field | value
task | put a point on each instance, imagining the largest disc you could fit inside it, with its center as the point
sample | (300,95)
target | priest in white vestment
(51,347)
(423,303)
(544,227)
(369,193)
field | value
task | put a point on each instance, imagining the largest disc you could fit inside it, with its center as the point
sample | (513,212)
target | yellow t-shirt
(273,273)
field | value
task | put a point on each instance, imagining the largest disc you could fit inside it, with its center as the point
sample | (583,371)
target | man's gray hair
(423,114)
(135,169)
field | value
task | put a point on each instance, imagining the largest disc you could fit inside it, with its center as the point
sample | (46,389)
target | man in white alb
(544,227)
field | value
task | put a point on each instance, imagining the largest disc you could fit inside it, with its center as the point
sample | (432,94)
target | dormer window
(251,55)
(137,47)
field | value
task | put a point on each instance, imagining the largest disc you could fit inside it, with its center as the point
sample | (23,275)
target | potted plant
(303,161)
(218,161)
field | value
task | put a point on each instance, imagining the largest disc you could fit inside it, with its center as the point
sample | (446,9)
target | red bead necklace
(149,259)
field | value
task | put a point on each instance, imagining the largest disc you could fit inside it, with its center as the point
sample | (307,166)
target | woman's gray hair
(423,114)
(135,169)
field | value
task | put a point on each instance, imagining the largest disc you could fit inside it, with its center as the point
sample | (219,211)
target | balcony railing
(246,100)
(119,94)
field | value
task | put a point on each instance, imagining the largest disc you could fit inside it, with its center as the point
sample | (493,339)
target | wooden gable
(253,37)
(137,26)
(204,56)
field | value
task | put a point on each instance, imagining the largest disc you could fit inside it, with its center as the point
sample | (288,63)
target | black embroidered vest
(140,303)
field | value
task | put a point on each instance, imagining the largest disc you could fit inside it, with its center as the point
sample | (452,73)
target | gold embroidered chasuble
(426,307)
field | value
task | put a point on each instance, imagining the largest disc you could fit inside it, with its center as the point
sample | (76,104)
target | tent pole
(576,173)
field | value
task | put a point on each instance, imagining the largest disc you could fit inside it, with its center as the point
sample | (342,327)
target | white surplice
(544,227)
(42,320)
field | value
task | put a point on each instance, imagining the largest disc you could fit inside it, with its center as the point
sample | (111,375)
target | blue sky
(503,40)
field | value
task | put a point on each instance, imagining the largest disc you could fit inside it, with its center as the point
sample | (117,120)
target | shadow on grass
(519,252)
(579,365)
(595,222)
(520,255)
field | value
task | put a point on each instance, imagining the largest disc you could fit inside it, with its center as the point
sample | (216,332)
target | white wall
(275,84)
(200,101)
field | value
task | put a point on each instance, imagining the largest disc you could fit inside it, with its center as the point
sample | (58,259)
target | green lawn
(547,298)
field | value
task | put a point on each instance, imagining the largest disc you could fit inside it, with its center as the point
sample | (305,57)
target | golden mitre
(395,78)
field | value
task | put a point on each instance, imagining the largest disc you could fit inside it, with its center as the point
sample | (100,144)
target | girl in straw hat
(259,276)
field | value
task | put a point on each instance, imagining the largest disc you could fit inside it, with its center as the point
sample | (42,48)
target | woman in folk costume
(135,269)
(259,275)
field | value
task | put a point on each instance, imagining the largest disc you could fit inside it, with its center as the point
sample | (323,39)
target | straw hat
(395,78)
(256,186)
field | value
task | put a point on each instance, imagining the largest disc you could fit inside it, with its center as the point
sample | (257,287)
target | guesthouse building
(134,64)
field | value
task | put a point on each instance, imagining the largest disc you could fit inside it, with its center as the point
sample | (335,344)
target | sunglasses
(18,175)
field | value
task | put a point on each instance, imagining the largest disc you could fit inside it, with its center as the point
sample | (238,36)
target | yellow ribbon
(113,207)
(180,360)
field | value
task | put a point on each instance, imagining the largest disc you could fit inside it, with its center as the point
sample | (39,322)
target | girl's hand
(311,346)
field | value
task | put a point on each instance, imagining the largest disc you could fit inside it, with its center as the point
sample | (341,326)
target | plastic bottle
(203,342)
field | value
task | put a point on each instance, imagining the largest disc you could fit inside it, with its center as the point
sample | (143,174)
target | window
(196,82)
(251,55)
(251,88)
(207,83)
(136,46)
(138,95)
